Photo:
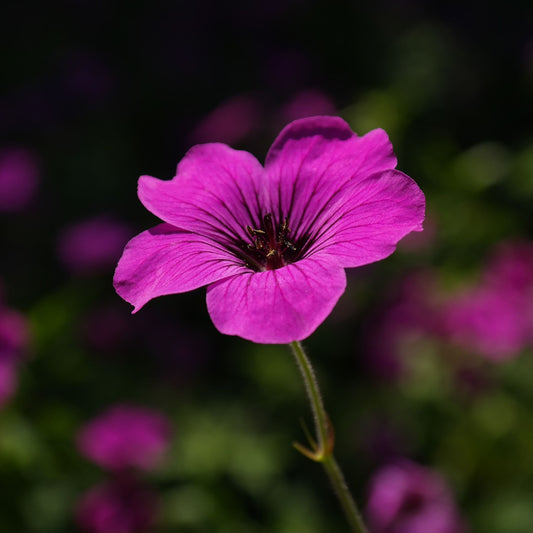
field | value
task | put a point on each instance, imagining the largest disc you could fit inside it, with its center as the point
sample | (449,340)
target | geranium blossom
(93,244)
(234,120)
(20,174)
(494,318)
(121,505)
(271,243)
(126,436)
(307,103)
(14,342)
(407,498)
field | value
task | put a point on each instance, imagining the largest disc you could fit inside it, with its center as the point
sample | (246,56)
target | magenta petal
(277,306)
(313,160)
(373,216)
(164,260)
(216,192)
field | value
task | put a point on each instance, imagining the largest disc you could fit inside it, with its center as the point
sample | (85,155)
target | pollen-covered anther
(270,243)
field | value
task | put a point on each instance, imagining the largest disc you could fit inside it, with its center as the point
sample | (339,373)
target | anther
(270,243)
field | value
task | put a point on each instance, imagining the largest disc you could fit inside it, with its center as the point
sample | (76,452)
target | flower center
(270,247)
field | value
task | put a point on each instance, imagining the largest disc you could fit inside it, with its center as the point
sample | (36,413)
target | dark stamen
(270,246)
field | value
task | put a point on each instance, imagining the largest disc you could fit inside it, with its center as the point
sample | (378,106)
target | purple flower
(93,244)
(494,318)
(122,505)
(19,179)
(272,242)
(307,103)
(125,437)
(511,266)
(489,321)
(14,341)
(14,335)
(407,498)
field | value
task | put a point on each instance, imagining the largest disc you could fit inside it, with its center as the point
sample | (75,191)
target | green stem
(323,449)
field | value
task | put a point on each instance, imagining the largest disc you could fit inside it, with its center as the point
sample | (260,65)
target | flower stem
(322,449)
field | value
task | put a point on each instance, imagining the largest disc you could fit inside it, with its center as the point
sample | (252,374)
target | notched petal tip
(216,191)
(123,287)
(328,127)
(147,187)
(137,308)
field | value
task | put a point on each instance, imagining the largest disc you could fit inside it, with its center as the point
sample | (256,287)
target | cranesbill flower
(231,122)
(93,244)
(271,243)
(307,103)
(20,174)
(488,320)
(407,498)
(14,343)
(121,505)
(126,436)
(494,318)
(14,335)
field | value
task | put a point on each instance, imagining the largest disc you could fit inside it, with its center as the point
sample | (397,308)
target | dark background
(102,92)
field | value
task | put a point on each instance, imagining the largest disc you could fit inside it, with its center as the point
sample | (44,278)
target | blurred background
(113,423)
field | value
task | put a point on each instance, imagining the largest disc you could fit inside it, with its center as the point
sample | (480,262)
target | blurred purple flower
(407,498)
(126,436)
(14,335)
(272,243)
(495,317)
(122,505)
(20,174)
(231,122)
(307,103)
(93,245)
(14,341)
(489,321)
(511,266)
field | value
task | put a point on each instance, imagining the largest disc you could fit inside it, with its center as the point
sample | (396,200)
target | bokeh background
(113,423)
